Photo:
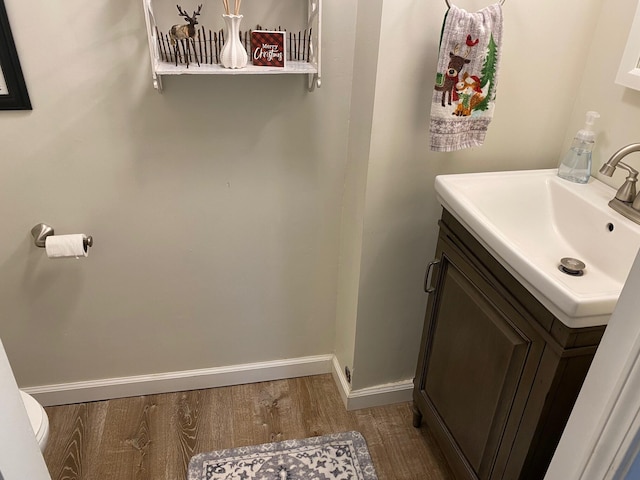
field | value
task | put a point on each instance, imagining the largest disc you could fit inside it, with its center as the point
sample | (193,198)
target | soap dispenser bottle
(576,164)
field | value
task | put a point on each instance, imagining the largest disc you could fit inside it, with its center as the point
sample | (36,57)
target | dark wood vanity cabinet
(497,374)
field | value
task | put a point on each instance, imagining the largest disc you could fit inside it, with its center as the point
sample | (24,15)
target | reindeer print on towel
(472,92)
(447,83)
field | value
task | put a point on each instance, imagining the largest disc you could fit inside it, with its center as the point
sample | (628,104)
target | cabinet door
(480,360)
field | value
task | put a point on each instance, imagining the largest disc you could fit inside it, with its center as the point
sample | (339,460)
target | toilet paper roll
(65,246)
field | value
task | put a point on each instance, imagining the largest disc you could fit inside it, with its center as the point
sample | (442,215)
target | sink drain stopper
(572,266)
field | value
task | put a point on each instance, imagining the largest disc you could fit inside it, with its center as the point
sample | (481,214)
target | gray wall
(215,206)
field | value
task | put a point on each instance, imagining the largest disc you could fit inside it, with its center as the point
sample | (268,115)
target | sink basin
(529,220)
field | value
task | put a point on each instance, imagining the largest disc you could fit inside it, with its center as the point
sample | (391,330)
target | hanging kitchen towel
(463,98)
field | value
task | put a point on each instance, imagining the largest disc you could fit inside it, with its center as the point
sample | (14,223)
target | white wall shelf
(312,67)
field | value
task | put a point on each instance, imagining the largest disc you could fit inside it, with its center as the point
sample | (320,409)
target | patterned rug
(340,456)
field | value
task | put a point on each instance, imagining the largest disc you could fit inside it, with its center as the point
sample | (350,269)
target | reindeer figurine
(456,64)
(186,32)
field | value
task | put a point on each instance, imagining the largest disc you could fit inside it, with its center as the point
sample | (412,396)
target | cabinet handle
(427,276)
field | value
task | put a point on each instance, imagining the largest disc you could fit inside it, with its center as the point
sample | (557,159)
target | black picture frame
(13,89)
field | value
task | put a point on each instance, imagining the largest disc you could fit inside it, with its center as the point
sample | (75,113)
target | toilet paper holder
(41,231)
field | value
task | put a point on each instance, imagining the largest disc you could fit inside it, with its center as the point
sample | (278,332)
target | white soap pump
(576,164)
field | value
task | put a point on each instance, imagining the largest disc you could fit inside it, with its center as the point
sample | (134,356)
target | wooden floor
(153,437)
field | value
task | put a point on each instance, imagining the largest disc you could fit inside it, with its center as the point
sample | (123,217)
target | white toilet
(38,418)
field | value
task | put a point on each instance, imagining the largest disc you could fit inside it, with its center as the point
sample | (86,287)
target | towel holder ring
(449,3)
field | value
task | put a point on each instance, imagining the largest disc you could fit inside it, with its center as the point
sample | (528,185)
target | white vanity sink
(529,220)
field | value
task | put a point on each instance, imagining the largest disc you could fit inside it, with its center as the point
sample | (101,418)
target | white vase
(233,54)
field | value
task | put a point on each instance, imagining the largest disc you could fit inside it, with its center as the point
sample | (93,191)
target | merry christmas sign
(268,48)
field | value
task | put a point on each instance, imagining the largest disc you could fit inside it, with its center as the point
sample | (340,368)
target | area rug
(340,456)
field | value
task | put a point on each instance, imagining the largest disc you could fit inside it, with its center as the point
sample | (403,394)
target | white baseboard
(93,390)
(341,381)
(372,396)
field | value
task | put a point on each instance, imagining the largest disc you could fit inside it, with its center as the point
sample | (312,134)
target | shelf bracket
(314,22)
(150,20)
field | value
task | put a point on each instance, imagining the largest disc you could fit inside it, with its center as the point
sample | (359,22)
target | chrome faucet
(626,202)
